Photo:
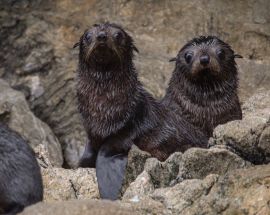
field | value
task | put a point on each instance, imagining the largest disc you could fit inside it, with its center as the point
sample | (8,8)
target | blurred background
(37,59)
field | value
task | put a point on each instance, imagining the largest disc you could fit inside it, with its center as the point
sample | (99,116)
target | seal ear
(173,59)
(76,45)
(237,56)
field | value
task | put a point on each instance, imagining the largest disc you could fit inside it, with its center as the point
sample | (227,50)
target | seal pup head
(206,57)
(105,44)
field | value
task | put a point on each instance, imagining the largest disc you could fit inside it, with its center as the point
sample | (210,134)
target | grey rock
(93,207)
(164,173)
(15,112)
(236,193)
(82,207)
(244,191)
(142,186)
(198,163)
(254,76)
(183,195)
(248,137)
(156,174)
(66,184)
(135,166)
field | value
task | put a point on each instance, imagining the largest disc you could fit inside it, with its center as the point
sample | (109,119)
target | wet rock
(65,184)
(248,137)
(15,112)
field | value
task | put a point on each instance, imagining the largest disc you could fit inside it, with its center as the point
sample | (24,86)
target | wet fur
(117,112)
(20,178)
(208,98)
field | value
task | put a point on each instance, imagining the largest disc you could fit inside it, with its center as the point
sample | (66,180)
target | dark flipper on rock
(110,168)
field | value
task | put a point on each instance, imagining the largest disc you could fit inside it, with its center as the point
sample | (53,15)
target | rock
(142,186)
(183,195)
(249,137)
(82,207)
(156,174)
(195,163)
(93,207)
(241,191)
(163,173)
(15,112)
(37,36)
(198,163)
(65,184)
(254,77)
(135,166)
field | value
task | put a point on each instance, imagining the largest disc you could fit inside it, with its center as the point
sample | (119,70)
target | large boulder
(15,112)
(36,39)
(248,137)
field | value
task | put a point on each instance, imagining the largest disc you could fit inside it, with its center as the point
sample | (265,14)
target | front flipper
(110,168)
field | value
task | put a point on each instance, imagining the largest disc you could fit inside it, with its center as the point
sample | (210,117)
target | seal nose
(204,59)
(102,36)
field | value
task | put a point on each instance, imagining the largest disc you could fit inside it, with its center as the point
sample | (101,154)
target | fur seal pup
(117,112)
(203,87)
(20,178)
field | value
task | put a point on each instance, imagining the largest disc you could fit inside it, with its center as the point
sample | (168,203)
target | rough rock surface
(94,207)
(135,166)
(195,163)
(36,39)
(249,137)
(198,163)
(15,112)
(65,184)
(86,207)
(239,192)
(254,77)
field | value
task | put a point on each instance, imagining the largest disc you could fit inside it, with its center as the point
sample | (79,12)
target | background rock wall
(36,55)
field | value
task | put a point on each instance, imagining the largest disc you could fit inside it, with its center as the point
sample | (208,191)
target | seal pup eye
(188,57)
(221,54)
(118,36)
(88,36)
